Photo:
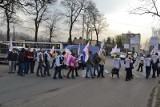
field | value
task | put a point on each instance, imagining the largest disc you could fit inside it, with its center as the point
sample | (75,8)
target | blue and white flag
(86,50)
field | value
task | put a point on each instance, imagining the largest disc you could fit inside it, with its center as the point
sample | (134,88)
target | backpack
(61,59)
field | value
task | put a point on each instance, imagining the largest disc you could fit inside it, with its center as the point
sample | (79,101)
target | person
(58,66)
(30,60)
(47,58)
(158,70)
(141,63)
(21,62)
(89,65)
(128,62)
(101,63)
(131,66)
(72,65)
(53,58)
(154,61)
(12,57)
(40,60)
(117,65)
(96,61)
(81,61)
(34,55)
(148,65)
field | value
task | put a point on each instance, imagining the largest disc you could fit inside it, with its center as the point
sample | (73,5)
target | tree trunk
(70,34)
(8,30)
(97,38)
(36,31)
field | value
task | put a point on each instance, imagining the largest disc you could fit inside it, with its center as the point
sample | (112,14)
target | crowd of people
(26,63)
(56,61)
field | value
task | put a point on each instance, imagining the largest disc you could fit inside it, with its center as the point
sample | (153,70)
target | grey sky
(120,21)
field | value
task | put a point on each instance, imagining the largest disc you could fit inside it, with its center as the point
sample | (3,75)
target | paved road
(32,91)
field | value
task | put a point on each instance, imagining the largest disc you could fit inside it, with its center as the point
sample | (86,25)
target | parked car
(122,55)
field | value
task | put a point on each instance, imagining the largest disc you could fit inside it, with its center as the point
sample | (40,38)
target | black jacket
(12,56)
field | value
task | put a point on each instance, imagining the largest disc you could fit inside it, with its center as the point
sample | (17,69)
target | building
(133,40)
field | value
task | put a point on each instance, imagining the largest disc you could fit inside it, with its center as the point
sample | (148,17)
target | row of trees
(41,11)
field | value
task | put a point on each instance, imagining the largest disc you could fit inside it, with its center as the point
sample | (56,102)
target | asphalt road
(32,91)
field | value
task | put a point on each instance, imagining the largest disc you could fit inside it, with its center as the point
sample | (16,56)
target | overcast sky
(120,21)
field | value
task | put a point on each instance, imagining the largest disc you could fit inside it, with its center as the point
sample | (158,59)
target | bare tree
(99,23)
(38,10)
(51,24)
(73,9)
(87,18)
(146,7)
(9,9)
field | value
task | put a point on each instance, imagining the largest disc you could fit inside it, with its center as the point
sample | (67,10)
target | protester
(21,63)
(81,61)
(96,60)
(12,57)
(155,61)
(58,66)
(117,66)
(47,58)
(53,58)
(141,63)
(34,55)
(102,56)
(128,62)
(72,65)
(148,65)
(40,60)
(89,65)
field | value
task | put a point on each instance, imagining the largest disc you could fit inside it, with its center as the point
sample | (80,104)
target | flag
(79,49)
(52,50)
(10,44)
(115,50)
(102,45)
(86,50)
(67,56)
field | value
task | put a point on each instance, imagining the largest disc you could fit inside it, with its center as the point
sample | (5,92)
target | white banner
(126,46)
(135,40)
(154,41)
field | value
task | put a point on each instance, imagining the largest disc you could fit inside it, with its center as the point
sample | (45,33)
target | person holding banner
(89,65)
(102,56)
(72,66)
(128,62)
(54,54)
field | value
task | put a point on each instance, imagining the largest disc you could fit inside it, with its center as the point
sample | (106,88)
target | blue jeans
(46,69)
(148,70)
(21,68)
(26,67)
(89,68)
(96,67)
